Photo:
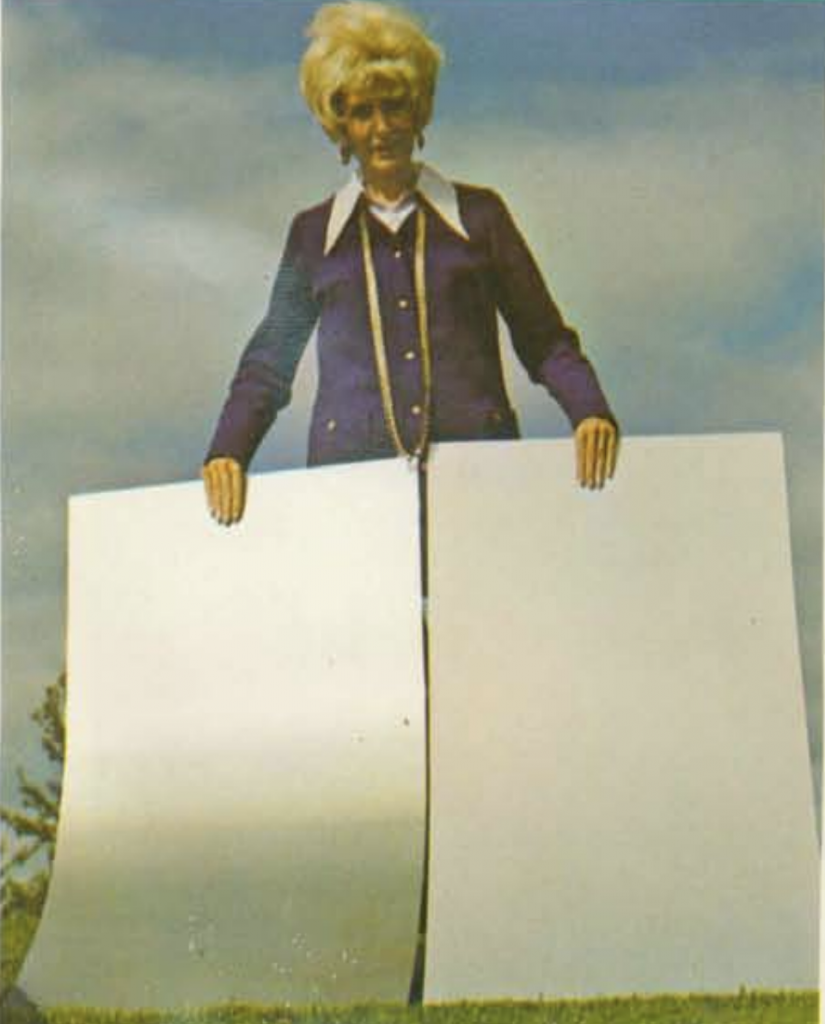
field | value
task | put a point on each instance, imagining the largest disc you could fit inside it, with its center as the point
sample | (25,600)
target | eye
(361,111)
(395,106)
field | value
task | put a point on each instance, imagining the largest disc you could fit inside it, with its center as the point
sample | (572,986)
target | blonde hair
(360,45)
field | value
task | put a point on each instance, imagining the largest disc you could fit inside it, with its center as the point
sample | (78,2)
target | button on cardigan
(471,274)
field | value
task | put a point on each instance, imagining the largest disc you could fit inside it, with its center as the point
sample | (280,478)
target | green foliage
(35,827)
(30,833)
(16,937)
(744,1008)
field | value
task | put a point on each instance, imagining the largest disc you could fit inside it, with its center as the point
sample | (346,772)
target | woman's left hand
(597,445)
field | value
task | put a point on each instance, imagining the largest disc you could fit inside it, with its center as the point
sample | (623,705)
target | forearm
(546,345)
(571,379)
(262,384)
(256,395)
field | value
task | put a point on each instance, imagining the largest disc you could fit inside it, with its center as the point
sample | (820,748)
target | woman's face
(379,126)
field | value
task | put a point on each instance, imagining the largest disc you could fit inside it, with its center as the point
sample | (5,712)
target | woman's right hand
(225,483)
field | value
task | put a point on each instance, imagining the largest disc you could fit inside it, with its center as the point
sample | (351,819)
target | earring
(420,140)
(345,153)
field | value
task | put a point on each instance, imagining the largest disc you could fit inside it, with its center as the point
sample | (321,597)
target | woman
(404,272)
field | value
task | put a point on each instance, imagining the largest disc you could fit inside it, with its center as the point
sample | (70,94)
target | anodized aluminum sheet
(243,809)
(621,793)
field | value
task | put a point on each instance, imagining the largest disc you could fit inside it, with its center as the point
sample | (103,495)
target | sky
(665,161)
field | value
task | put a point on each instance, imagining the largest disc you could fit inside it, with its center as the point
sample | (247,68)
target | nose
(380,120)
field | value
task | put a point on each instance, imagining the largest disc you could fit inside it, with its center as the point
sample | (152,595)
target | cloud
(146,205)
(146,202)
(688,203)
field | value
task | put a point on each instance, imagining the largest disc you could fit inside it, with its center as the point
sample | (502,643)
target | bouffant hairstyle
(361,45)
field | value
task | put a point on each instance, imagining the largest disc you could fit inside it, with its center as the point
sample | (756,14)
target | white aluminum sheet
(243,809)
(621,794)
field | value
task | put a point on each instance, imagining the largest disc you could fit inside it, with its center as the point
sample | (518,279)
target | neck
(389,189)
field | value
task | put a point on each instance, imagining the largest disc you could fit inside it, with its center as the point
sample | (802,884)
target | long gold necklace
(419,451)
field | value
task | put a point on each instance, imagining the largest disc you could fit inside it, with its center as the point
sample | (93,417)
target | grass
(16,936)
(746,1007)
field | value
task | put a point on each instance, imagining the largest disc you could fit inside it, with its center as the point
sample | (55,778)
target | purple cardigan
(468,280)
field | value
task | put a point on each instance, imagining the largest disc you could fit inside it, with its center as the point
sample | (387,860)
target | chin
(391,165)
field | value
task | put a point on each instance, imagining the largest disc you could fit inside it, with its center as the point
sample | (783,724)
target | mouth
(389,154)
(388,147)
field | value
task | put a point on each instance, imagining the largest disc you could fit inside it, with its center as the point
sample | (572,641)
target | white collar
(438,192)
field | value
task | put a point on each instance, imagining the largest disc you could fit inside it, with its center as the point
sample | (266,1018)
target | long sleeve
(548,348)
(262,384)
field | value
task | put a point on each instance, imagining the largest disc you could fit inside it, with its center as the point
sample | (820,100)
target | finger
(233,496)
(205,478)
(225,496)
(216,481)
(208,474)
(218,476)
(236,475)
(590,457)
(601,454)
(612,452)
(580,456)
(242,496)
